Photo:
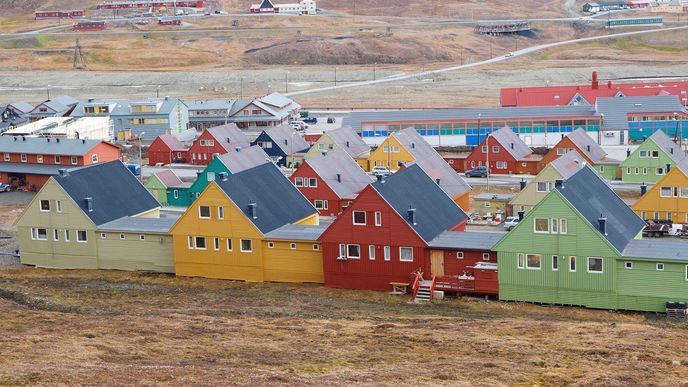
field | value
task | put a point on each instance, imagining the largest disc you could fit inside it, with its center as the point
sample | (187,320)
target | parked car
(303,113)
(135,169)
(510,222)
(300,123)
(5,187)
(480,171)
(381,171)
(331,120)
(310,120)
(298,127)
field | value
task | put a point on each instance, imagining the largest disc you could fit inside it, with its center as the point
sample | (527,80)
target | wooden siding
(215,167)
(321,192)
(564,143)
(530,197)
(653,202)
(513,166)
(647,166)
(203,155)
(153,253)
(381,158)
(157,189)
(284,264)
(644,288)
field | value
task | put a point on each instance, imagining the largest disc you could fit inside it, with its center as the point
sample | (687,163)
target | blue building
(284,145)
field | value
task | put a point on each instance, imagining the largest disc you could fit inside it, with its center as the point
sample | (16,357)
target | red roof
(563,95)
(172,142)
(168,178)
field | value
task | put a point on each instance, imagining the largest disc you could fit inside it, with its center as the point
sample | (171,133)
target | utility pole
(374,75)
(157,92)
(335,75)
(78,63)
(516,39)
(461,55)
(241,88)
(487,174)
(48,91)
(286,82)
(490,48)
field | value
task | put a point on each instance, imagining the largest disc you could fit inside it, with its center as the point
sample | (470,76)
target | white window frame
(501,165)
(23,158)
(401,259)
(38,234)
(342,250)
(555,263)
(271,245)
(660,266)
(200,216)
(312,182)
(349,256)
(316,247)
(58,205)
(661,191)
(292,246)
(535,226)
(40,205)
(78,239)
(230,246)
(520,260)
(56,235)
(216,243)
(94,158)
(241,245)
(103,235)
(371,252)
(537,186)
(353,218)
(554,226)
(539,267)
(122,236)
(628,265)
(563,226)
(205,243)
(459,255)
(58,159)
(298,181)
(39,159)
(573,259)
(378,218)
(66,235)
(7,157)
(686,276)
(387,253)
(142,237)
(495,148)
(594,271)
(190,242)
(74,160)
(486,256)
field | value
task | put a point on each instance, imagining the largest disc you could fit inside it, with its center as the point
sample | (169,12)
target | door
(437,263)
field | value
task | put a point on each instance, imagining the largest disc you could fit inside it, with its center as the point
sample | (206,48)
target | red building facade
(218,140)
(166,149)
(59,14)
(317,191)
(507,154)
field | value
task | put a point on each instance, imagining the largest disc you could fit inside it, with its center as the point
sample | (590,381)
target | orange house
(668,199)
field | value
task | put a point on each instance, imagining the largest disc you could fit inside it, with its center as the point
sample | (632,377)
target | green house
(652,159)
(582,245)
(158,183)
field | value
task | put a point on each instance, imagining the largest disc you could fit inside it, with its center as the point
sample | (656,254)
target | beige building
(345,139)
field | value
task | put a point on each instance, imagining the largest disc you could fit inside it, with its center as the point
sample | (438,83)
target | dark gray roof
(668,146)
(432,163)
(277,201)
(409,188)
(591,196)
(229,136)
(298,232)
(468,240)
(46,146)
(289,144)
(353,178)
(244,158)
(137,224)
(114,190)
(616,109)
(209,104)
(512,143)
(349,141)
(568,164)
(34,169)
(584,142)
(355,118)
(657,249)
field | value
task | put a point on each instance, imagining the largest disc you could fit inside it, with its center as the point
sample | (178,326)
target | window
(94,158)
(292,246)
(533,261)
(572,263)
(342,250)
(555,263)
(191,242)
(495,149)
(321,204)
(229,244)
(74,160)
(58,205)
(542,225)
(542,186)
(81,236)
(175,194)
(7,157)
(67,235)
(45,205)
(520,258)
(122,236)
(406,254)
(56,234)
(683,192)
(353,251)
(39,159)
(660,266)
(246,245)
(41,234)
(378,218)
(312,182)
(316,247)
(501,165)
(298,182)
(103,235)
(216,244)
(655,154)
(563,226)
(668,216)
(487,204)
(23,157)
(660,171)
(486,256)
(628,171)
(642,154)
(142,237)
(371,252)
(199,243)
(555,226)
(644,170)
(204,212)
(665,192)
(628,265)
(655,215)
(637,170)
(359,218)
(484,149)
(459,255)
(220,212)
(686,273)
(595,265)
(58,160)
(210,176)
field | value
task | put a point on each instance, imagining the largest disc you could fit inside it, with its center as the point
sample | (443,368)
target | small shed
(491,204)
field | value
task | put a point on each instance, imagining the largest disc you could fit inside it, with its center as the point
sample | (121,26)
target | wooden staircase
(422,288)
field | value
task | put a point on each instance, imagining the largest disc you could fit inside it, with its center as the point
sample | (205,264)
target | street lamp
(48,91)
(157,92)
(241,88)
(141,154)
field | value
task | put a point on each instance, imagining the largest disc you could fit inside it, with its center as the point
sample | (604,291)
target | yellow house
(225,232)
(391,154)
(345,139)
(668,199)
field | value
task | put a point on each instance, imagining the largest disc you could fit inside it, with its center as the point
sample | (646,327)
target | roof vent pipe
(522,184)
(339,178)
(628,152)
(347,144)
(609,85)
(63,172)
(668,168)
(223,176)
(602,224)
(48,139)
(89,204)
(286,142)
(437,181)
(413,145)
(23,138)
(379,178)
(558,183)
(643,189)
(229,140)
(588,148)
(671,150)
(252,211)
(521,214)
(411,215)
(238,149)
(83,141)
(57,139)
(512,145)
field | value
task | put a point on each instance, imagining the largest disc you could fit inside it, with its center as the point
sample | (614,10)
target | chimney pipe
(252,211)
(58,139)
(229,140)
(512,145)
(558,183)
(643,189)
(339,178)
(437,181)
(609,84)
(628,152)
(413,145)
(286,142)
(23,138)
(521,214)
(411,215)
(668,168)
(223,176)
(671,150)
(379,178)
(522,184)
(588,148)
(595,82)
(238,149)
(347,144)
(89,204)
(48,138)
(602,224)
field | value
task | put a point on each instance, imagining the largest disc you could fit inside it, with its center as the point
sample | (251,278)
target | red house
(89,26)
(457,162)
(331,181)
(218,140)
(508,154)
(383,236)
(170,21)
(166,149)
(59,14)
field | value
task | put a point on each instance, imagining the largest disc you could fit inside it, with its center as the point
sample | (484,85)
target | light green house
(98,217)
(561,168)
(581,245)
(158,183)
(652,159)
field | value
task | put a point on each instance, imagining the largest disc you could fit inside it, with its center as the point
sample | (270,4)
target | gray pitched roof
(30,168)
(244,158)
(21,106)
(587,145)
(683,166)
(348,140)
(568,164)
(114,190)
(512,143)
(276,100)
(668,146)
(229,136)
(412,188)
(591,196)
(172,142)
(209,104)
(298,232)
(657,249)
(46,146)
(282,137)
(616,109)
(468,240)
(122,107)
(277,201)
(160,225)
(432,163)
(352,178)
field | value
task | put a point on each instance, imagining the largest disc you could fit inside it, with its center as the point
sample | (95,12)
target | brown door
(437,263)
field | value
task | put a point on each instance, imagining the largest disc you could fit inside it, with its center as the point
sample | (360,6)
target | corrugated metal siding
(284,264)
(645,288)
(652,200)
(321,192)
(154,253)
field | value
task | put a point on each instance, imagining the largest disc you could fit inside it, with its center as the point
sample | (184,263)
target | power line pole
(78,62)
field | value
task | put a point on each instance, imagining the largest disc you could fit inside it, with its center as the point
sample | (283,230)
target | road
(522,52)
(514,180)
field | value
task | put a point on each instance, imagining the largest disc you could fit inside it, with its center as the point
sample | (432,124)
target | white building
(304,7)
(91,128)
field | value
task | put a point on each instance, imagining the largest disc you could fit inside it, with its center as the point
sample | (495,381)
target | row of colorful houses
(580,245)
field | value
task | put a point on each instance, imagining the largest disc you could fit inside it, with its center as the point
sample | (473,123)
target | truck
(135,169)
(656,229)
